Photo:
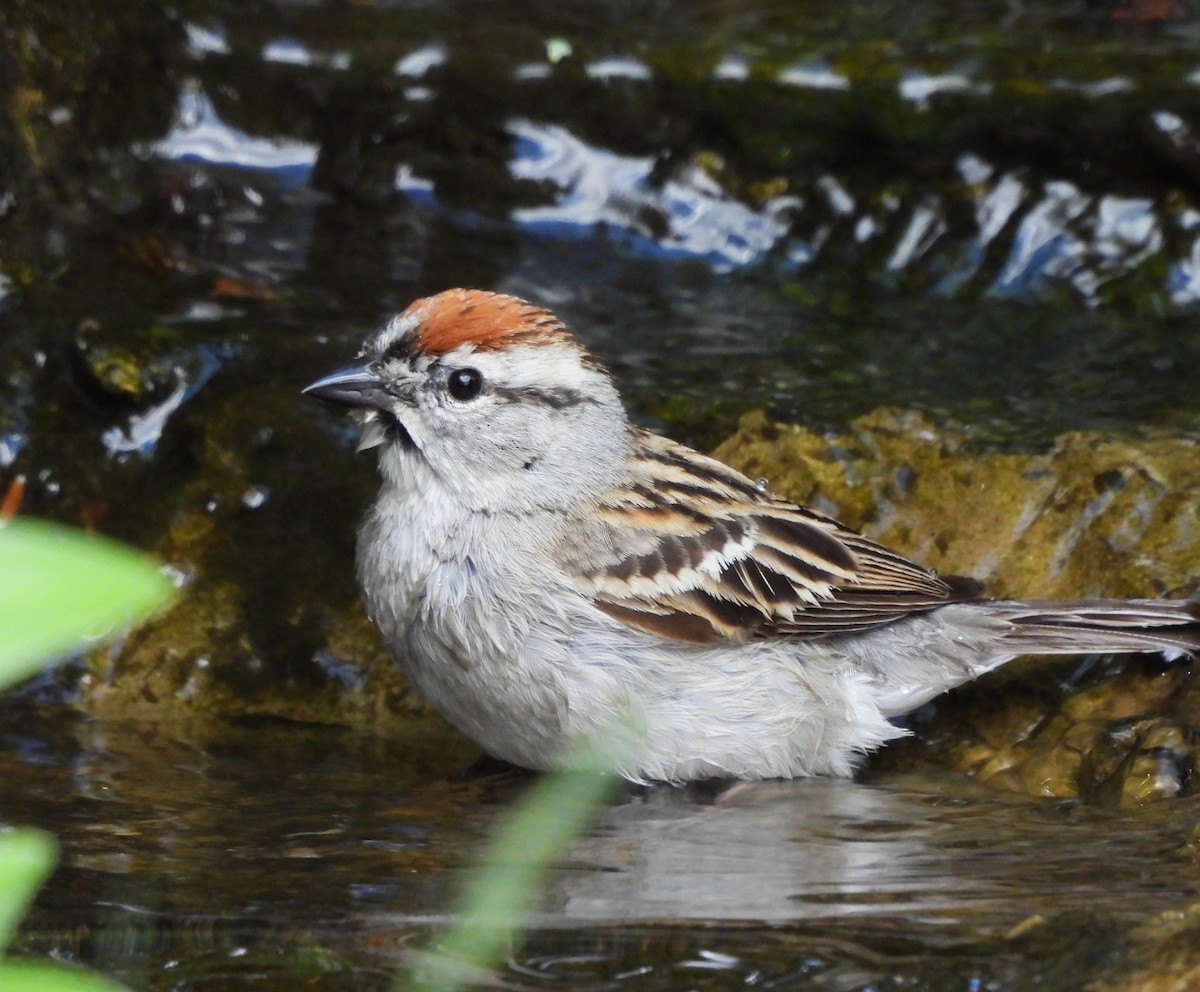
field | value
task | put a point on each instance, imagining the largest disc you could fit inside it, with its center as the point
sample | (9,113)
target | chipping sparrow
(541,569)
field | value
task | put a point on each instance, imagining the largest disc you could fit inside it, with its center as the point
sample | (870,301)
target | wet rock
(118,373)
(1096,515)
(265,623)
(1037,766)
(1157,761)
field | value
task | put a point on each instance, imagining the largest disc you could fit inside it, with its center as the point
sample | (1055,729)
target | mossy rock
(268,620)
(1095,515)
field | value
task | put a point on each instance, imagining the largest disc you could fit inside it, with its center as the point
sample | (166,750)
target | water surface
(274,853)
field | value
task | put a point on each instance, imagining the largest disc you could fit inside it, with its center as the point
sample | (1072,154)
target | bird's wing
(690,549)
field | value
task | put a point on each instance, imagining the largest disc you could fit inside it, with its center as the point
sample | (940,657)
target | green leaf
(26,858)
(58,586)
(39,976)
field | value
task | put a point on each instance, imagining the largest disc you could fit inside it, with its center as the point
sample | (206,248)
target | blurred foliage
(59,586)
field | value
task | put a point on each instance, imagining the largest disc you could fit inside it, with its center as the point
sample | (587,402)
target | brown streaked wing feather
(674,625)
(691,550)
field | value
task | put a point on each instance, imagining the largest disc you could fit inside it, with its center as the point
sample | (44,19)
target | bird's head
(491,396)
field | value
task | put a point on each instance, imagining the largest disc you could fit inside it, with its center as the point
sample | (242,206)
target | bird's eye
(465,384)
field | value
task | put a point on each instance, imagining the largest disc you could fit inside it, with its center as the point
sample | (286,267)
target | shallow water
(263,855)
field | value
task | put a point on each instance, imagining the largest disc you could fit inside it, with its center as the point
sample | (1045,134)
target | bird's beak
(359,386)
(356,385)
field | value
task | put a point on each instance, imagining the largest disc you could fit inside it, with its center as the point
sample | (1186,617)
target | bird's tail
(935,651)
(1171,626)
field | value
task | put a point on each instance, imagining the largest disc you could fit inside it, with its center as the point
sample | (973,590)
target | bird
(545,573)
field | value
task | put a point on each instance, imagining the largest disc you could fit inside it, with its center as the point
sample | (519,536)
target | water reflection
(199,133)
(922,852)
(150,821)
(275,833)
(689,215)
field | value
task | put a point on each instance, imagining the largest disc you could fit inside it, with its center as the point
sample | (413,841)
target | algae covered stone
(1095,515)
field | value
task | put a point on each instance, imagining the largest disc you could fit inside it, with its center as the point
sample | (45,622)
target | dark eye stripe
(558,399)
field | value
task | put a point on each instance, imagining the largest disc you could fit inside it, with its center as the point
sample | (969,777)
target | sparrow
(543,570)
